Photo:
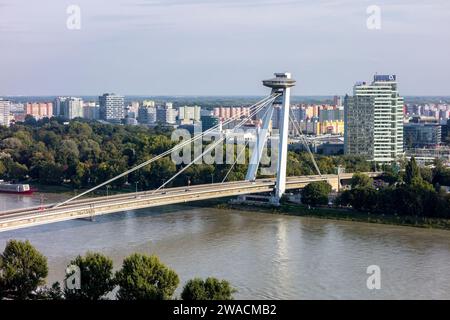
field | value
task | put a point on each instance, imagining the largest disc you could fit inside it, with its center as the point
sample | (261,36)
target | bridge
(75,207)
(92,207)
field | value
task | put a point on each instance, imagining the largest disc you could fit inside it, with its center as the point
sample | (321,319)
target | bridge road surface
(91,207)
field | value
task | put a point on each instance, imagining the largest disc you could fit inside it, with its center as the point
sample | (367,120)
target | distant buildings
(424,132)
(315,127)
(189,114)
(421,135)
(374,120)
(328,113)
(91,111)
(337,101)
(209,121)
(5,111)
(437,111)
(39,110)
(112,107)
(68,107)
(147,114)
(166,114)
(73,108)
(230,112)
(148,103)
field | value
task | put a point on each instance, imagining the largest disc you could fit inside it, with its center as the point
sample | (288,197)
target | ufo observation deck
(281,81)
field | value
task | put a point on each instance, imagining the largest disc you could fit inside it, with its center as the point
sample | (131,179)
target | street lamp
(212,178)
(107,190)
(136,186)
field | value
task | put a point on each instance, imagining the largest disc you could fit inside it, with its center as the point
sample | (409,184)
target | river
(263,256)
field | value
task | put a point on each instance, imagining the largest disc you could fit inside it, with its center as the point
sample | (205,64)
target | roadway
(91,207)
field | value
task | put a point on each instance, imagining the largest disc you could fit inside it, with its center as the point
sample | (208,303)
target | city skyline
(220,48)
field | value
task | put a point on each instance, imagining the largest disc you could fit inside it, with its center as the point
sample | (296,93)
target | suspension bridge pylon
(281,86)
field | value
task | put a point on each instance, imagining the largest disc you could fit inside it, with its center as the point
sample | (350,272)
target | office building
(91,111)
(189,114)
(331,114)
(148,103)
(5,109)
(58,106)
(231,112)
(209,121)
(146,114)
(374,120)
(421,135)
(73,108)
(166,114)
(112,107)
(68,107)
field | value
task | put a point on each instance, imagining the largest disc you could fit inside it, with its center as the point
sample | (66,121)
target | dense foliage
(408,193)
(144,277)
(97,277)
(209,289)
(316,193)
(22,270)
(81,154)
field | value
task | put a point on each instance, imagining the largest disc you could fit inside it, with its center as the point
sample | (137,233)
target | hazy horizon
(221,47)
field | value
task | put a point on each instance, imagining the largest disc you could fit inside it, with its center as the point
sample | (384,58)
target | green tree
(316,193)
(16,170)
(209,289)
(2,168)
(145,277)
(364,198)
(361,180)
(50,293)
(411,171)
(22,270)
(96,271)
(50,173)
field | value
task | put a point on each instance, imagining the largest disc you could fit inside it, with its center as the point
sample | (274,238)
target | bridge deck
(90,207)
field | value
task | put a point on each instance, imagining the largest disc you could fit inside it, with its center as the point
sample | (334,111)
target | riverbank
(337,214)
(290,209)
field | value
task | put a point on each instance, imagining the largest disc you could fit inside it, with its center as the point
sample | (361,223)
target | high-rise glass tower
(374,120)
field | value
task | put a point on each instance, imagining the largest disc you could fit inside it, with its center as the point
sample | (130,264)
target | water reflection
(263,255)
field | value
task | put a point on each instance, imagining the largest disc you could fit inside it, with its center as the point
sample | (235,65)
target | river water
(264,256)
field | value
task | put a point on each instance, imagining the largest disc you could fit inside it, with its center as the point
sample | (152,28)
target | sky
(221,47)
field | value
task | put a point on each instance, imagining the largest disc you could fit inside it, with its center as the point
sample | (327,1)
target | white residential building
(5,110)
(112,107)
(374,120)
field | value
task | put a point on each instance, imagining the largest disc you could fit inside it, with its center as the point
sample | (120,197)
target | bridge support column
(261,139)
(282,84)
(280,187)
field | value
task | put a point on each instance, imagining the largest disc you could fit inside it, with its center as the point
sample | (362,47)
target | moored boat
(19,188)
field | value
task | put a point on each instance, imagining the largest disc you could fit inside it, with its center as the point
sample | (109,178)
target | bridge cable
(212,146)
(243,150)
(175,148)
(304,141)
